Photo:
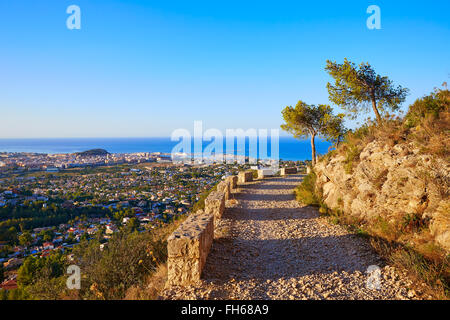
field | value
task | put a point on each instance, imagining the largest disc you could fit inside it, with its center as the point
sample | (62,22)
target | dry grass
(153,286)
(421,269)
(433,137)
(155,281)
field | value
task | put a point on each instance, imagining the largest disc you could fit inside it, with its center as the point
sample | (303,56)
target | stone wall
(189,245)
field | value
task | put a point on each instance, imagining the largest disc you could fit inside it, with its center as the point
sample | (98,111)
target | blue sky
(145,68)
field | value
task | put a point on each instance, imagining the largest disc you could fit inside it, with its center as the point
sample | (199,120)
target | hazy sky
(138,69)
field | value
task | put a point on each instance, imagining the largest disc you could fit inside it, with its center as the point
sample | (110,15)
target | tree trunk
(313,148)
(375,109)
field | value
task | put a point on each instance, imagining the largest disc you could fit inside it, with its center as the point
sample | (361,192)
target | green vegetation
(33,215)
(127,261)
(426,125)
(355,89)
(310,120)
(93,152)
(428,107)
(305,192)
(42,278)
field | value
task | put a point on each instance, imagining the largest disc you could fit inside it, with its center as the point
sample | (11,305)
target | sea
(289,148)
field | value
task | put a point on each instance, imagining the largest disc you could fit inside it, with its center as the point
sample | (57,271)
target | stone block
(285,171)
(232,180)
(265,173)
(224,187)
(188,248)
(245,176)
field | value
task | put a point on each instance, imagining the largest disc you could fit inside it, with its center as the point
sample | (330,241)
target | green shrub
(305,192)
(414,222)
(126,261)
(428,106)
(41,278)
(323,208)
(351,157)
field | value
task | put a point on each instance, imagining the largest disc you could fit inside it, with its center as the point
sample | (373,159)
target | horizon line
(147,137)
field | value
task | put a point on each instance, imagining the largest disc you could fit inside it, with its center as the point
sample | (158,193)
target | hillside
(391,183)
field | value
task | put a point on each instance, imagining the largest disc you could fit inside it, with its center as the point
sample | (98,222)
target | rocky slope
(393,183)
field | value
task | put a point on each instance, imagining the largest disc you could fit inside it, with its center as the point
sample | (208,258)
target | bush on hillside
(125,261)
(426,125)
(429,119)
(430,106)
(305,192)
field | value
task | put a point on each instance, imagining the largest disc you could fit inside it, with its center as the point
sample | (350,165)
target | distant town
(51,202)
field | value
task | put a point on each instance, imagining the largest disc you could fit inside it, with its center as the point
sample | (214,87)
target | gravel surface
(273,248)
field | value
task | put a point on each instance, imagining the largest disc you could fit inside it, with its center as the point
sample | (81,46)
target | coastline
(289,148)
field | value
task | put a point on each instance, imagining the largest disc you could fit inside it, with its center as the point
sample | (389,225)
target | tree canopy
(357,88)
(311,120)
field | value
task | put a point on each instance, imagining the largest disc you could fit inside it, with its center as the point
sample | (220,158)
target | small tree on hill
(358,88)
(310,120)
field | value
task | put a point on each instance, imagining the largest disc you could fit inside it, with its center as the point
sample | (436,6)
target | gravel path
(273,248)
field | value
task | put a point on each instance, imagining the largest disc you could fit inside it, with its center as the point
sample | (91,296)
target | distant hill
(93,152)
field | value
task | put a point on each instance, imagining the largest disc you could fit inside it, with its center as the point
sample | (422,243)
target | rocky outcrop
(392,183)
